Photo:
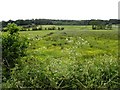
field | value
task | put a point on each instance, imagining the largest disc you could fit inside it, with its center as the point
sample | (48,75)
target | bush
(53,28)
(4,29)
(60,28)
(109,26)
(40,28)
(13,47)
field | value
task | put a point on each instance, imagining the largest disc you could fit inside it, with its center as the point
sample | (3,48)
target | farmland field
(76,57)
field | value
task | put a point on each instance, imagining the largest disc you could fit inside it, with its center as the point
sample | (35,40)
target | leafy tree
(93,23)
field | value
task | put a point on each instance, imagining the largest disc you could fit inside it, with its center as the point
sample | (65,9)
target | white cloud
(58,9)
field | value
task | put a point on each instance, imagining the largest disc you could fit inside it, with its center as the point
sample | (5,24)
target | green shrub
(13,47)
(60,28)
(109,26)
(40,28)
(4,29)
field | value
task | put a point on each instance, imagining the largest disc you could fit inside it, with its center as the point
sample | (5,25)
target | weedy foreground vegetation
(74,58)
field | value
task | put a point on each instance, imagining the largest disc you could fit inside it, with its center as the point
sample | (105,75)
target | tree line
(35,28)
(59,22)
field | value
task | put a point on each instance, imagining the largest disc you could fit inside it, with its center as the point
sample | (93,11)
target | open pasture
(76,57)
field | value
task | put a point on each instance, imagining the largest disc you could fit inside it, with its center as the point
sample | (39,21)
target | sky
(58,9)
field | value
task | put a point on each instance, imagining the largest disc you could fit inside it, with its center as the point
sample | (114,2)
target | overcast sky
(58,9)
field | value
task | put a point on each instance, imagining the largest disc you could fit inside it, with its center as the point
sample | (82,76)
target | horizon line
(55,19)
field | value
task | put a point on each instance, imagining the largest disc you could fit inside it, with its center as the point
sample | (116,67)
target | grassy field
(76,57)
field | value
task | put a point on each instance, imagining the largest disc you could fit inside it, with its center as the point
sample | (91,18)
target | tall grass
(68,59)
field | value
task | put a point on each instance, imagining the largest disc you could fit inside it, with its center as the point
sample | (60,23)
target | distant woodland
(60,22)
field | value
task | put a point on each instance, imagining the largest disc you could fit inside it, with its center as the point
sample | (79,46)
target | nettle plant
(13,46)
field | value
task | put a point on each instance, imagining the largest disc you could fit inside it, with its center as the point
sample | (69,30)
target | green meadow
(74,58)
